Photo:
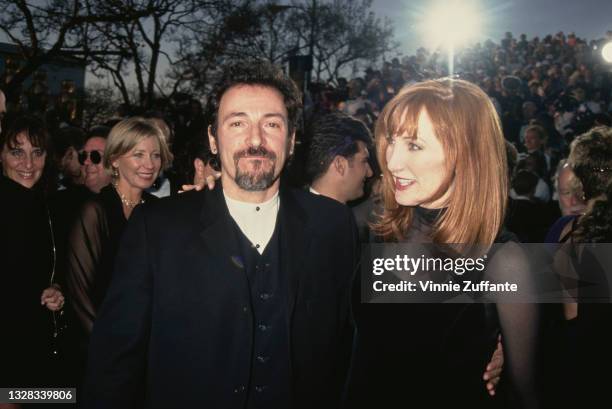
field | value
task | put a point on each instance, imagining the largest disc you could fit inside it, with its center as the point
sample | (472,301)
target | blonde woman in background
(136,151)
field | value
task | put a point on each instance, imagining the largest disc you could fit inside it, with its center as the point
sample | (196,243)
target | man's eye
(236,124)
(273,125)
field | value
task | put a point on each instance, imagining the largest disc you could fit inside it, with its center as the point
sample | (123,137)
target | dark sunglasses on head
(94,156)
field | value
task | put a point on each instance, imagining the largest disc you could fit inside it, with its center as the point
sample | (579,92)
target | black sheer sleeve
(519,323)
(85,251)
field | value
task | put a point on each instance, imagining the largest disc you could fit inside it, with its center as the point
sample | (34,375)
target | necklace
(130,204)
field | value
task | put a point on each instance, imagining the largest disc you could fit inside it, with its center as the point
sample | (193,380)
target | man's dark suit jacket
(176,328)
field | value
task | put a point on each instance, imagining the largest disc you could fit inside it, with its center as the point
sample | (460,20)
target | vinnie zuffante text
(456,266)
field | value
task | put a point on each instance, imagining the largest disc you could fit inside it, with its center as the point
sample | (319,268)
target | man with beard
(236,297)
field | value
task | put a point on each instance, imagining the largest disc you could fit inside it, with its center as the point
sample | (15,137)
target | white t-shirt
(256,220)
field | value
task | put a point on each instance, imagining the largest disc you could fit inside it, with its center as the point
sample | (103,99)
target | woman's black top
(92,248)
(26,265)
(434,355)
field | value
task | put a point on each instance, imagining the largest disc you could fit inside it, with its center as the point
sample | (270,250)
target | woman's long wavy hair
(591,159)
(468,127)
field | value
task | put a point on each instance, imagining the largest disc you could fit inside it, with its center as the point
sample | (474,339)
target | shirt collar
(248,207)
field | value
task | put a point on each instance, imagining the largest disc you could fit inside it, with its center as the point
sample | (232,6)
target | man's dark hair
(98,131)
(525,182)
(69,137)
(196,148)
(602,119)
(256,72)
(534,162)
(334,134)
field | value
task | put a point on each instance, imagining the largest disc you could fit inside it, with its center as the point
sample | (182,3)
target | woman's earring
(115,173)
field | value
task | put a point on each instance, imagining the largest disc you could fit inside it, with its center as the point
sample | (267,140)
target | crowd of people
(245,291)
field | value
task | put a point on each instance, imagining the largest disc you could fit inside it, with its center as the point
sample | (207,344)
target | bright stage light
(606,52)
(451,23)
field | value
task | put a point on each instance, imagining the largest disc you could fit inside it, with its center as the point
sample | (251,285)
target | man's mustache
(260,152)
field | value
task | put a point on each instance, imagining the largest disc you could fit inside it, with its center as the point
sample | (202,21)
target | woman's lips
(146,175)
(402,183)
(26,175)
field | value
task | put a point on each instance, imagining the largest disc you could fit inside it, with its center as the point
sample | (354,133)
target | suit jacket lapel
(217,229)
(295,242)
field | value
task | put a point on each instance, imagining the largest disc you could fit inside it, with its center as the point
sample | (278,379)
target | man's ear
(339,163)
(212,141)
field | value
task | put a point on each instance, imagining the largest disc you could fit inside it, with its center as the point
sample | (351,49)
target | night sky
(587,18)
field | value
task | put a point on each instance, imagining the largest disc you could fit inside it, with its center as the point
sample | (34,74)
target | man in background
(338,158)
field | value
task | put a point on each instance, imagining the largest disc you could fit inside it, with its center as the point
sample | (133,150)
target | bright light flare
(451,23)
(606,52)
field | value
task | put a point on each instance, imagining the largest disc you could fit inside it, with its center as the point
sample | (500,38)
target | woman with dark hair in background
(32,300)
(588,246)
(591,161)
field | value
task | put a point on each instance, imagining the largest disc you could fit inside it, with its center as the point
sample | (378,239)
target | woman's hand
(52,298)
(494,368)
